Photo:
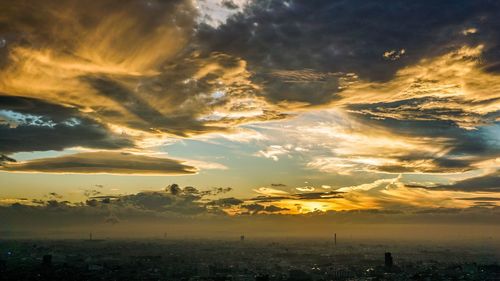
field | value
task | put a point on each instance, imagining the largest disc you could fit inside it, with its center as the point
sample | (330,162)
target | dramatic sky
(211,110)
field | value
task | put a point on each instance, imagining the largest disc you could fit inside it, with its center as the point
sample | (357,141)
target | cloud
(135,80)
(226,202)
(452,87)
(270,191)
(30,124)
(336,141)
(394,54)
(102,162)
(206,165)
(378,203)
(318,195)
(334,85)
(273,152)
(382,194)
(481,199)
(229,4)
(181,203)
(259,209)
(174,199)
(305,188)
(137,83)
(427,82)
(174,202)
(393,193)
(71,220)
(354,37)
(486,183)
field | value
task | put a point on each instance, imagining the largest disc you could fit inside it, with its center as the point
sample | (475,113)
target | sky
(265,112)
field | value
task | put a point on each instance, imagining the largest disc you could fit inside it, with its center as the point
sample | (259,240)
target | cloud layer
(102,162)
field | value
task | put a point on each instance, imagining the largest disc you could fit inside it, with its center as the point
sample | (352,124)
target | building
(388,260)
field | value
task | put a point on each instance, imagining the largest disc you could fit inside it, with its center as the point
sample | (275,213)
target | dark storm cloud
(88,39)
(187,200)
(129,63)
(341,37)
(255,208)
(59,137)
(462,149)
(318,195)
(102,162)
(145,116)
(218,190)
(273,209)
(164,202)
(298,196)
(29,124)
(174,201)
(229,4)
(226,202)
(489,182)
(451,111)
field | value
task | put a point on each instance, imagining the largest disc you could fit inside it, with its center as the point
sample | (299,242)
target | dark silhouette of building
(388,260)
(242,238)
(335,239)
(47,260)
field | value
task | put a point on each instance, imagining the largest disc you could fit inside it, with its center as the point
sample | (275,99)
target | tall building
(335,239)
(242,238)
(47,260)
(388,260)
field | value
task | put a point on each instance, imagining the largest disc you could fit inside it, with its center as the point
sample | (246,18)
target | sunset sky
(138,109)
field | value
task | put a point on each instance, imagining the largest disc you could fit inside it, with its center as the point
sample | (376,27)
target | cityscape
(250,140)
(244,259)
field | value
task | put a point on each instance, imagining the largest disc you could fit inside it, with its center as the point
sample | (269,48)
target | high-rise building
(242,238)
(47,260)
(388,260)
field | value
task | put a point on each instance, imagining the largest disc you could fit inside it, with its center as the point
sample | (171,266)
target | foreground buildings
(242,260)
